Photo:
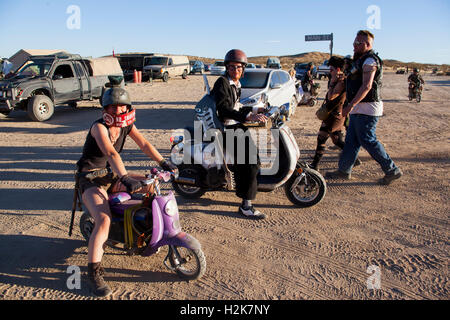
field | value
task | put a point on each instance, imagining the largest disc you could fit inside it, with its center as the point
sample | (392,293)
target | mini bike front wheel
(189,264)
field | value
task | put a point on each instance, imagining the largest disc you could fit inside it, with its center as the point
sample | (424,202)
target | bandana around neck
(121,120)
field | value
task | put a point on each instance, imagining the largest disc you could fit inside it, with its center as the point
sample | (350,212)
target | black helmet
(115,95)
(236,55)
(416,70)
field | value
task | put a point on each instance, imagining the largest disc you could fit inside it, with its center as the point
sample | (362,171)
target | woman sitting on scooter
(226,93)
(104,142)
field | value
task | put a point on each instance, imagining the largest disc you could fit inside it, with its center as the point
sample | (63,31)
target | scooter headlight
(176,153)
(171,208)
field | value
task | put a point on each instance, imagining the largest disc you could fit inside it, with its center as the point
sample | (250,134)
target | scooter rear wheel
(310,190)
(187,191)
(189,264)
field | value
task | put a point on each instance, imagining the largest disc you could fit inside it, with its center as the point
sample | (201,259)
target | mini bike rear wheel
(86,225)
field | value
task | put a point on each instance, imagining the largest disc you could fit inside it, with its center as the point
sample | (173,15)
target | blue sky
(408,30)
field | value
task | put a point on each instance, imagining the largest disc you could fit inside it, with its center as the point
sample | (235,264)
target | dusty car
(273,63)
(277,85)
(198,67)
(300,70)
(218,68)
(323,70)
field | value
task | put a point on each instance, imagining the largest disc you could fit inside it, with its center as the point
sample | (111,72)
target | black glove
(169,166)
(130,183)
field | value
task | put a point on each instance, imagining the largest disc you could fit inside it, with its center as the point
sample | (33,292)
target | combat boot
(98,285)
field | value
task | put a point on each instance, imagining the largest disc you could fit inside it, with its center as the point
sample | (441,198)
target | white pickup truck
(323,70)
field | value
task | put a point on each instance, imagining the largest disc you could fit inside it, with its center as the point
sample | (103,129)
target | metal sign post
(321,37)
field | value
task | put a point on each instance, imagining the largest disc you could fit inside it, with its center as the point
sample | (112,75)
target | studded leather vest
(355,79)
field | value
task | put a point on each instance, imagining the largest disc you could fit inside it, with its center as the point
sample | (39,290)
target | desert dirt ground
(322,252)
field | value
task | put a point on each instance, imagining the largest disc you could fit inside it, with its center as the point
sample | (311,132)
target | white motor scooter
(204,166)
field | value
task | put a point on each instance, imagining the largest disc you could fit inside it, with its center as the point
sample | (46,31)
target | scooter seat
(121,201)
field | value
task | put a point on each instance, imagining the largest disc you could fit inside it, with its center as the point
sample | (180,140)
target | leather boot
(98,285)
(315,163)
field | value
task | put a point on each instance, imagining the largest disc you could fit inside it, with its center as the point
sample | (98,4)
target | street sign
(319,37)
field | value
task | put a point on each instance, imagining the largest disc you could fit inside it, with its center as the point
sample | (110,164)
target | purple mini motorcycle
(142,226)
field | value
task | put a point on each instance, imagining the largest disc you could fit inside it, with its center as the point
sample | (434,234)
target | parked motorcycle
(142,226)
(203,166)
(415,91)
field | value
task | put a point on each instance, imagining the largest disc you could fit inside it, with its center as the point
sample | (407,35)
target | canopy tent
(104,66)
(19,58)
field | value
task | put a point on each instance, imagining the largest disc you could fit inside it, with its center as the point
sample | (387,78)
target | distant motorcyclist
(415,80)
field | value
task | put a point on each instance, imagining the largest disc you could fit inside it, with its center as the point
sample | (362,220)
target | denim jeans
(361,133)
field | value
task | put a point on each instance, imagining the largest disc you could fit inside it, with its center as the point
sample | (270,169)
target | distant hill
(317,58)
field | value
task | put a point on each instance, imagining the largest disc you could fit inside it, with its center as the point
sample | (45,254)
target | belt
(91,175)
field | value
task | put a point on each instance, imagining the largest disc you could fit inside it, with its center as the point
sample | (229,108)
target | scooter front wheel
(309,191)
(189,264)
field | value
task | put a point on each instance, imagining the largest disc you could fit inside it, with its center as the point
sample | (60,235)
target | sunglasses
(233,67)
(357,43)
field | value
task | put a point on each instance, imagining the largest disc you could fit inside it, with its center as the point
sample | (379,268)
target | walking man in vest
(363,86)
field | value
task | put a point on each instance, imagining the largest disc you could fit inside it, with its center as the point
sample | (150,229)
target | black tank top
(92,157)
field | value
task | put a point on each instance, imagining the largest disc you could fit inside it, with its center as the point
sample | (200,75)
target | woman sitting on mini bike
(104,142)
